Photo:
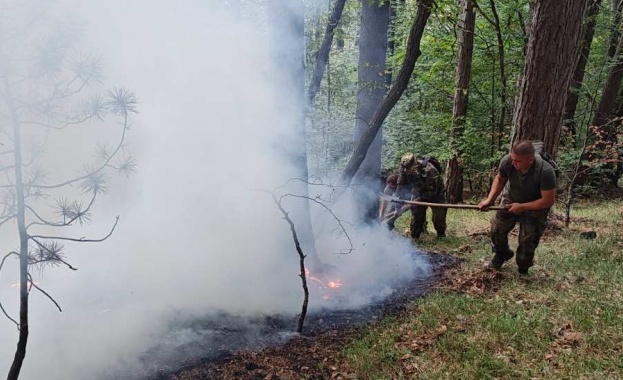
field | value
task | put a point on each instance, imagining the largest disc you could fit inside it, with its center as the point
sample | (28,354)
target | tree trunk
(394,94)
(550,59)
(588,31)
(503,79)
(526,24)
(20,352)
(371,82)
(286,41)
(616,7)
(323,53)
(461,94)
(391,44)
(605,133)
(607,103)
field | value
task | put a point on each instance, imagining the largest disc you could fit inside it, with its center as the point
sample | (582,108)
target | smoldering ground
(195,235)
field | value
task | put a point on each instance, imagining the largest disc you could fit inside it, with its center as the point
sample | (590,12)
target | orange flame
(334,284)
(28,283)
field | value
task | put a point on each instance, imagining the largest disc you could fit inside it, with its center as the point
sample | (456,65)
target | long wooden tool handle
(443,205)
(448,205)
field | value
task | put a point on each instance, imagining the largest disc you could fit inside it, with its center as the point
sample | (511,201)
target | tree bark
(616,8)
(371,81)
(526,24)
(454,171)
(20,352)
(394,94)
(323,53)
(588,31)
(286,40)
(605,133)
(550,59)
(606,106)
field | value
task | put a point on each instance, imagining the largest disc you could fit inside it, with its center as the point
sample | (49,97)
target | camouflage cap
(407,160)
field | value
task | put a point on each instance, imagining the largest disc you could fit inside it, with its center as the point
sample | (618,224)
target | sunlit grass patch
(561,321)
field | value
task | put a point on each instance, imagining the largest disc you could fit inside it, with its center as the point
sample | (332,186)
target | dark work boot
(522,271)
(498,259)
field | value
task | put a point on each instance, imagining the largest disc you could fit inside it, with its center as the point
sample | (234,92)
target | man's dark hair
(392,179)
(524,148)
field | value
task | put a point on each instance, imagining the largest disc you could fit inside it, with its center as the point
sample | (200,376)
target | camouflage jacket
(425,183)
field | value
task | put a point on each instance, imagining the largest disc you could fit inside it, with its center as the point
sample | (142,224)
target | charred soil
(316,353)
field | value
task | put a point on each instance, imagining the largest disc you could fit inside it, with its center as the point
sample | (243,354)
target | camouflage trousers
(531,227)
(418,217)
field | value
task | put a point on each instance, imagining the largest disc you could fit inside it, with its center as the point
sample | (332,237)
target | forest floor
(563,320)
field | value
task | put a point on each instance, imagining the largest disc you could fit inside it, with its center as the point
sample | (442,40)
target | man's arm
(382,209)
(546,201)
(496,188)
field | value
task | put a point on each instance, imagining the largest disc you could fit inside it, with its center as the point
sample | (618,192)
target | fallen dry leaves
(477,282)
(565,339)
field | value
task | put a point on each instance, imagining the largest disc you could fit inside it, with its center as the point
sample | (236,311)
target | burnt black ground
(193,342)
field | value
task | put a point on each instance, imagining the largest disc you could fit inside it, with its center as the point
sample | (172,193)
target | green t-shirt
(522,188)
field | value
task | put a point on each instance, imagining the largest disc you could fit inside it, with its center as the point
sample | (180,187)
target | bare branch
(62,126)
(78,240)
(302,257)
(7,219)
(1,307)
(5,257)
(338,220)
(103,166)
(8,316)
(32,283)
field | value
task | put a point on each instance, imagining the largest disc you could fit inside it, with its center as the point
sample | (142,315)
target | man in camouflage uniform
(529,184)
(425,183)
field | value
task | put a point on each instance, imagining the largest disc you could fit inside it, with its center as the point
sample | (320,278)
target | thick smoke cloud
(195,233)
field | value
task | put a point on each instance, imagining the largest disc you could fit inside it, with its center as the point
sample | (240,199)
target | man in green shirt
(425,183)
(529,184)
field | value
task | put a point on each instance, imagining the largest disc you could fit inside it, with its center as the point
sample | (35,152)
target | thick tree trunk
(394,94)
(371,82)
(550,59)
(286,41)
(588,31)
(323,53)
(461,94)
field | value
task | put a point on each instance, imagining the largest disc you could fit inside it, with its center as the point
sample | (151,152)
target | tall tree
(322,58)
(413,52)
(496,133)
(461,94)
(616,7)
(287,55)
(43,93)
(550,59)
(588,31)
(607,102)
(604,134)
(371,81)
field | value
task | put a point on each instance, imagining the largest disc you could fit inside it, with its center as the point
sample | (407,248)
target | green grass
(564,321)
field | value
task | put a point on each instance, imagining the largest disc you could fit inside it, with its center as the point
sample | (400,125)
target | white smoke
(195,234)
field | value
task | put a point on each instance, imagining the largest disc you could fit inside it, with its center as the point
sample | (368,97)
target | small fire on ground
(323,285)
